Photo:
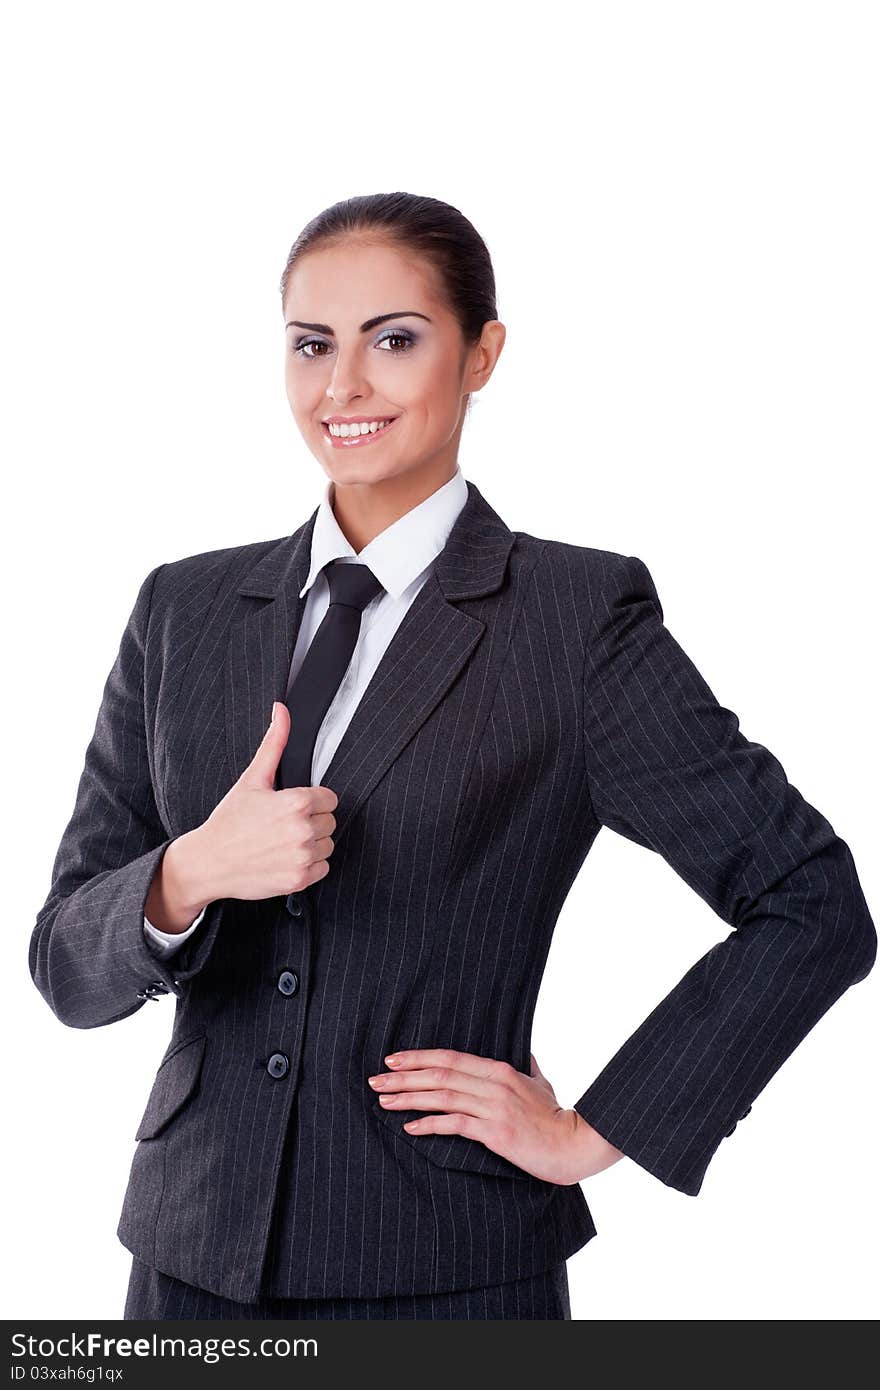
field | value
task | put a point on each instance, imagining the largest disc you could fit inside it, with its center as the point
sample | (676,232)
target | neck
(364,510)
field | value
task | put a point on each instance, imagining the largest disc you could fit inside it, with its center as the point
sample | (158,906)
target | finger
(324,799)
(437,1080)
(311,801)
(466,1062)
(318,870)
(465,1125)
(262,768)
(322,823)
(450,1101)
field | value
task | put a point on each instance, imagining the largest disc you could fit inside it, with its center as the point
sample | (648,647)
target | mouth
(367,433)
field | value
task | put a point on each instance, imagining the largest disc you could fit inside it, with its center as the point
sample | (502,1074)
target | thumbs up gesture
(259,841)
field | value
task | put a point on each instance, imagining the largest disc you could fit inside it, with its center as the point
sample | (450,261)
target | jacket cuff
(166,944)
(89,955)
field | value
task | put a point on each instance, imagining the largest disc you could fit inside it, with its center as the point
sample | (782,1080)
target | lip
(355,419)
(360,441)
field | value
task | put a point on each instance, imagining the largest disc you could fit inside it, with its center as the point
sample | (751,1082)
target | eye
(406,339)
(303,343)
(309,347)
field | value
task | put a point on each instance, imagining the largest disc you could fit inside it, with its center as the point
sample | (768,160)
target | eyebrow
(365,327)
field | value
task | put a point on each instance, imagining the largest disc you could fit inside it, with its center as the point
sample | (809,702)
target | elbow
(862,933)
(63,988)
(844,940)
(39,966)
(826,910)
(843,932)
(58,998)
(51,975)
(74,1009)
(864,944)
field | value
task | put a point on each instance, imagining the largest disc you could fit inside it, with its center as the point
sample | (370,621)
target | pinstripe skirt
(154,1295)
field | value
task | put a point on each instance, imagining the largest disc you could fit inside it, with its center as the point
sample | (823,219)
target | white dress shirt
(401,557)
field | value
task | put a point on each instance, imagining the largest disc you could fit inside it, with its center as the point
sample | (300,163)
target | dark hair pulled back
(432,229)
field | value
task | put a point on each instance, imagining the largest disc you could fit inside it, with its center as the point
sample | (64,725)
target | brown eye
(405,339)
(301,346)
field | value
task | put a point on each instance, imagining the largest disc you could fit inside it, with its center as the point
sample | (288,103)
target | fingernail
(392,1061)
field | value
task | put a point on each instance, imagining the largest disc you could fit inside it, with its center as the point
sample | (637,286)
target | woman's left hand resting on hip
(516,1116)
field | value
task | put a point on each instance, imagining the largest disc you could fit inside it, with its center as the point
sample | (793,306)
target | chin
(361,472)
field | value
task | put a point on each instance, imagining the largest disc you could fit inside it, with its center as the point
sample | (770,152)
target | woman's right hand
(262,842)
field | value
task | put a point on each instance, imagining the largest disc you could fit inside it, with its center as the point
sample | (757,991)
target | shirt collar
(398,554)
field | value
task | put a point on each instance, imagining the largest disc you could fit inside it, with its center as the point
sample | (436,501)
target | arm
(174,896)
(89,955)
(165,944)
(669,768)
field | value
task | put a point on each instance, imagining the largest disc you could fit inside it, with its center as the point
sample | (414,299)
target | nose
(346,381)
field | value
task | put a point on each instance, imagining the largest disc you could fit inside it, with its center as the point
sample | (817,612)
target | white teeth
(364,427)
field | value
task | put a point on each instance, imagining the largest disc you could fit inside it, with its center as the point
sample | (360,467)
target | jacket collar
(429,649)
(470,565)
(399,555)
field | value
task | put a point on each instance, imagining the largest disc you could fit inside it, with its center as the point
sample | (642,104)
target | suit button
(277,1065)
(288,982)
(736,1122)
(294,904)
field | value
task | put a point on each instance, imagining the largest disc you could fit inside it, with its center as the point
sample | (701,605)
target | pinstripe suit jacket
(531,694)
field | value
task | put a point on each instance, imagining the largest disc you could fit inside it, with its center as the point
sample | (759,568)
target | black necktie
(326,662)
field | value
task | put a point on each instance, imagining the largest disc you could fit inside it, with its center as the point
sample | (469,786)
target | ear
(485,354)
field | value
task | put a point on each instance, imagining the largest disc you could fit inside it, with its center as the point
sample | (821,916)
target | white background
(681,204)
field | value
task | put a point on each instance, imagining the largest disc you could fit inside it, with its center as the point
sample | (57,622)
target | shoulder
(588,571)
(203,577)
(195,569)
(180,596)
(586,592)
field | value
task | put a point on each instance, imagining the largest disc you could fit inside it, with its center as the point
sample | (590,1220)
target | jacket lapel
(427,652)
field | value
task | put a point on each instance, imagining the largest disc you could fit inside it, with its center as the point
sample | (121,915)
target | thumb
(261,770)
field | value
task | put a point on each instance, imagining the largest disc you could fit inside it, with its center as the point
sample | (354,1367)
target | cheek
(304,392)
(432,393)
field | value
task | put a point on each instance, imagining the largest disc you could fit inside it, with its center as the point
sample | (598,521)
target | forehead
(347,282)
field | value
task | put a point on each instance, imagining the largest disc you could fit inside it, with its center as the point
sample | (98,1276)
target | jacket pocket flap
(175,1082)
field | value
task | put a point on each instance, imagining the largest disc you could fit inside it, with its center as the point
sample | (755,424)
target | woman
(340,785)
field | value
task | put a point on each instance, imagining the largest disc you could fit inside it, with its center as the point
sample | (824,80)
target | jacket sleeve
(89,955)
(166,944)
(669,769)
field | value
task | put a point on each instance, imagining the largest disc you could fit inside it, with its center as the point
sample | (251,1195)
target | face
(370,341)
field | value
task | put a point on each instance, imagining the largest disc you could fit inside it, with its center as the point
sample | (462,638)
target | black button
(295,904)
(277,1065)
(288,982)
(736,1122)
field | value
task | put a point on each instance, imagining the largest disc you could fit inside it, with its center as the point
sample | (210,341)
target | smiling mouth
(356,441)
